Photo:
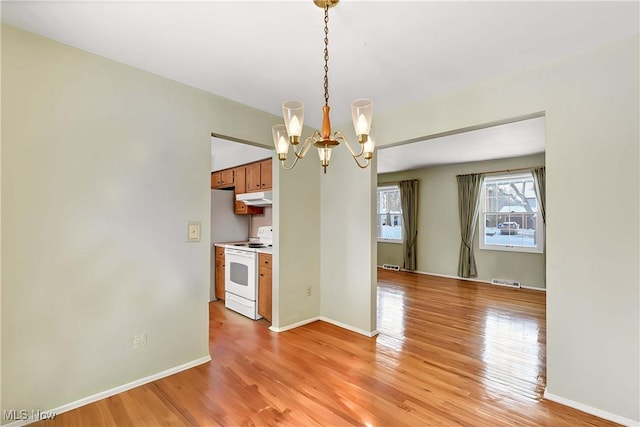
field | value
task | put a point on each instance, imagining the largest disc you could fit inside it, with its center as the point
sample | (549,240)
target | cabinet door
(264,286)
(220,266)
(240,180)
(239,208)
(215,179)
(226,177)
(253,177)
(265,175)
(242,209)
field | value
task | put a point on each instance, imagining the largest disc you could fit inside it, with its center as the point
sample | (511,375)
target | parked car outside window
(509,227)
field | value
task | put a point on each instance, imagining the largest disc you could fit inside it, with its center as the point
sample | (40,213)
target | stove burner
(251,245)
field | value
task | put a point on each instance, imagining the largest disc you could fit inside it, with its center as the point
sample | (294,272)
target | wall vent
(504,282)
(391,267)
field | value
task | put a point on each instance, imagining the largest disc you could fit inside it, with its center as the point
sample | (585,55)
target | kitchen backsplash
(260,220)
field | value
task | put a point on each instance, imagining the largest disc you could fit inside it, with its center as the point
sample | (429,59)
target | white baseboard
(324,319)
(111,392)
(591,410)
(294,325)
(471,279)
(349,327)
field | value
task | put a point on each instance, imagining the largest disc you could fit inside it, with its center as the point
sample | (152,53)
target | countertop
(257,250)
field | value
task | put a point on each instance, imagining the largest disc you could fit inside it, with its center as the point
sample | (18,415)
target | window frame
(540,226)
(382,239)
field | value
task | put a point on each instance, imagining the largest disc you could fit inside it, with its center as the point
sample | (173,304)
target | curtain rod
(530,168)
(395,182)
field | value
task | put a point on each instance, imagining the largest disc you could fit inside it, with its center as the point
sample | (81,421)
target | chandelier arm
(366,165)
(357,159)
(305,147)
(285,167)
(338,136)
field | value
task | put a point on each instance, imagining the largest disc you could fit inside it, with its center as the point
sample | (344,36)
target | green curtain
(409,201)
(539,176)
(468,203)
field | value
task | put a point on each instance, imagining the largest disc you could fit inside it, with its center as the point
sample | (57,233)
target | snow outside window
(389,218)
(509,218)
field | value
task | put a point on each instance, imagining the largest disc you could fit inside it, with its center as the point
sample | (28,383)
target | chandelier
(293,112)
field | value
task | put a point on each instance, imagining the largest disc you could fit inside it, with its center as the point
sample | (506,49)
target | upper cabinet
(240,179)
(259,176)
(265,174)
(222,179)
(253,177)
(244,179)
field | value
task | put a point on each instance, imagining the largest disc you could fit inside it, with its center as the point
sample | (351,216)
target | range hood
(259,198)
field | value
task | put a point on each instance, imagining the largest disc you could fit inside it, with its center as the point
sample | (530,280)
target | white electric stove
(241,273)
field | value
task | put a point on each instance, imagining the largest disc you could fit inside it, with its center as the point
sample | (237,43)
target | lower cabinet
(264,285)
(219,272)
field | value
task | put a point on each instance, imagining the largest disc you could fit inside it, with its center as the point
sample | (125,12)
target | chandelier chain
(326,54)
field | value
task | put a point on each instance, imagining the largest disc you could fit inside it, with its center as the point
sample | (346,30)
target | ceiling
(261,53)
(516,139)
(227,154)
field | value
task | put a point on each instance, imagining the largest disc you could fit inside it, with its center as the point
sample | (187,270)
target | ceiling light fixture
(293,111)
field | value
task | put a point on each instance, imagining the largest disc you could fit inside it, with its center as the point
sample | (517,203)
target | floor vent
(391,267)
(503,282)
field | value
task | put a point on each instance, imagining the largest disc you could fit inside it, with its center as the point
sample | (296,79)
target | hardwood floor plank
(449,353)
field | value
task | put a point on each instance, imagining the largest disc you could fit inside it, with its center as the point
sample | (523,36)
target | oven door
(240,276)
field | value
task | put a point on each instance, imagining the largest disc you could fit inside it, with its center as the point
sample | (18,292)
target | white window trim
(392,241)
(538,249)
(382,239)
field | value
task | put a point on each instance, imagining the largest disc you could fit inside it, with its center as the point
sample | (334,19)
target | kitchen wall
(102,167)
(591,105)
(258,221)
(439,229)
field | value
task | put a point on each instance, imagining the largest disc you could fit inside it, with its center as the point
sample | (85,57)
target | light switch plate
(193,231)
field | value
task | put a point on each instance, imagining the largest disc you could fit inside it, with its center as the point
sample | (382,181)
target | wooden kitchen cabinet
(222,179)
(253,177)
(259,176)
(264,285)
(265,175)
(240,208)
(240,179)
(219,272)
(226,177)
(215,179)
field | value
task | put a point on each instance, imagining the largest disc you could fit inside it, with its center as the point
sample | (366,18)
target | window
(389,221)
(509,218)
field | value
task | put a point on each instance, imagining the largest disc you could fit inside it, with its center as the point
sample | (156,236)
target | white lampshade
(280,140)
(293,112)
(325,155)
(361,113)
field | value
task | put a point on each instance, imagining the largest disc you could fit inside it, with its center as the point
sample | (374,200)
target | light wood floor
(449,353)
